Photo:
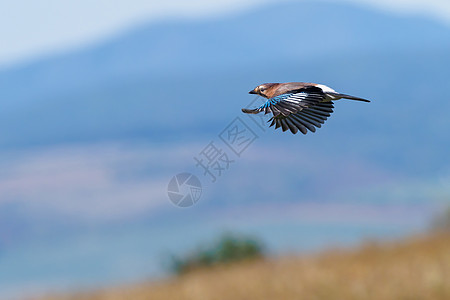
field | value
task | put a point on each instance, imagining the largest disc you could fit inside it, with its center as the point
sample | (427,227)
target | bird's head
(264,90)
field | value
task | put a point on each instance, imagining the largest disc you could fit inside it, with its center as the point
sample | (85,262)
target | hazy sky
(31,28)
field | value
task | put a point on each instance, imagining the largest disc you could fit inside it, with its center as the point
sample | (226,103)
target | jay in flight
(297,106)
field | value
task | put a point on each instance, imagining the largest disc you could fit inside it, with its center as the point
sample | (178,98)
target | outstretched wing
(306,119)
(299,110)
(290,103)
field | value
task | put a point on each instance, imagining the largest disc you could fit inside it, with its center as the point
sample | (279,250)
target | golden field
(417,268)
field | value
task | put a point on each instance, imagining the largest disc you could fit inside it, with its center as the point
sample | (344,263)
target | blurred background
(103,102)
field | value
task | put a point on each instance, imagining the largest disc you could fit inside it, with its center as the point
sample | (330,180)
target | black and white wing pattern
(306,119)
(297,111)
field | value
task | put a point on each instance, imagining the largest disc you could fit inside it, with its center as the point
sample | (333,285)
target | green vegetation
(412,269)
(227,249)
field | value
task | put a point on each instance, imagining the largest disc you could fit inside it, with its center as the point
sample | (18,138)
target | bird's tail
(349,97)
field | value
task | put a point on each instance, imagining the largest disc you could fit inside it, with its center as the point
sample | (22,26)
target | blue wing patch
(300,111)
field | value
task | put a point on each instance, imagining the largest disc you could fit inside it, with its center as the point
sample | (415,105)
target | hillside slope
(414,269)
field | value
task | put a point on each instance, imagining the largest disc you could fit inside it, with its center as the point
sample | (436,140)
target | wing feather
(291,126)
(303,110)
(284,125)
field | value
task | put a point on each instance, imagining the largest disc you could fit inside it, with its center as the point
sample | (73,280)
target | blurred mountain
(159,81)
(173,87)
(178,84)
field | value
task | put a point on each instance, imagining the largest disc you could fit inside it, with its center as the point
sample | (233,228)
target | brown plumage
(297,105)
(270,90)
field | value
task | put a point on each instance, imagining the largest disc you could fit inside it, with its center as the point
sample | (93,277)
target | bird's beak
(252,92)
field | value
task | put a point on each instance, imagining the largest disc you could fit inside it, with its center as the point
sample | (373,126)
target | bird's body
(297,105)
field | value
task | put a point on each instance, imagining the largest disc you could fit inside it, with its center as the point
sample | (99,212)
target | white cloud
(31,28)
(438,9)
(91,182)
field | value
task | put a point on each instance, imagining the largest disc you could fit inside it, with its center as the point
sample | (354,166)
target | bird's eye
(261,89)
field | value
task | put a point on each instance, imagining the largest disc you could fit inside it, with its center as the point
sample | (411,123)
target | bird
(297,106)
